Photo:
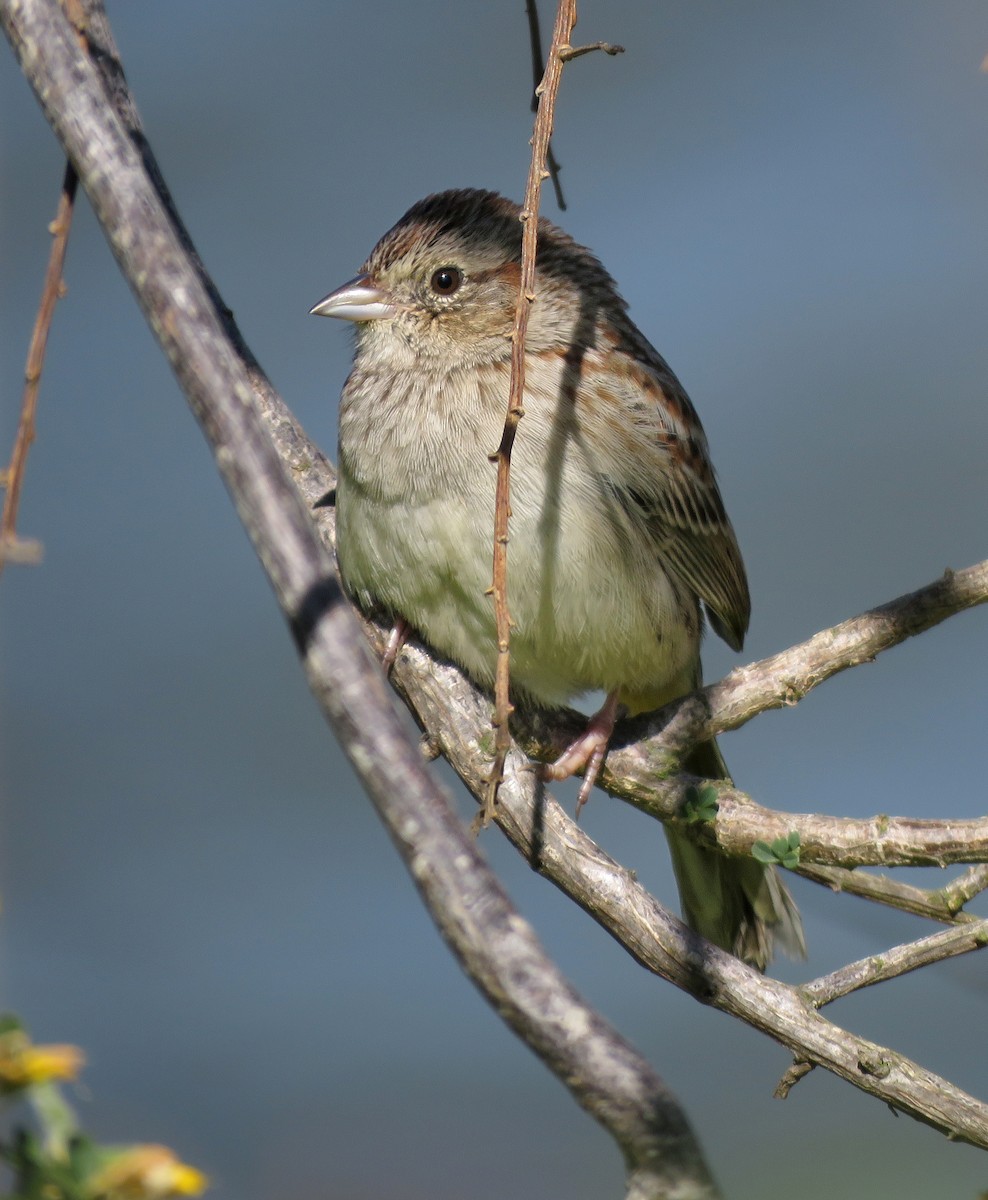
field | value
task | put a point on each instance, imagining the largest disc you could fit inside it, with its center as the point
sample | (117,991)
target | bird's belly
(426,562)
(591,605)
(594,621)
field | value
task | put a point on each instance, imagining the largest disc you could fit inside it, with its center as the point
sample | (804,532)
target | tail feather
(739,904)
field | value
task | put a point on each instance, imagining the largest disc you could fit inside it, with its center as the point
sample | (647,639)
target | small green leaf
(10,1024)
(700,804)
(486,745)
(789,858)
(39,1176)
(783,851)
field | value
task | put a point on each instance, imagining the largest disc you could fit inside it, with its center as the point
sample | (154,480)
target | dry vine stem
(547,91)
(538,70)
(13,548)
(560,51)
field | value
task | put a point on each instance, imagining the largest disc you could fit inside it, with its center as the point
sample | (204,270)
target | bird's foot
(588,751)
(399,636)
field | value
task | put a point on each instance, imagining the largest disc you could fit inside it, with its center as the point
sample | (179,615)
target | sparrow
(621,549)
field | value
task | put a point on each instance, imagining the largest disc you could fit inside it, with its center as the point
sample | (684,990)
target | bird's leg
(588,751)
(399,636)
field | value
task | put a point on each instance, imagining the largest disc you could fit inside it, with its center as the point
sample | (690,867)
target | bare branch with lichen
(878,968)
(455,714)
(938,904)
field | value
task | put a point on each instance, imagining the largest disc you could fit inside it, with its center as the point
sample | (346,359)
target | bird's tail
(739,904)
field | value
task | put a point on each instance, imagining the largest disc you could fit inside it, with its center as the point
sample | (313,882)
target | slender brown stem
(13,548)
(538,69)
(547,91)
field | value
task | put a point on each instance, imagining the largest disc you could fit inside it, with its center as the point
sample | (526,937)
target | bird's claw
(587,753)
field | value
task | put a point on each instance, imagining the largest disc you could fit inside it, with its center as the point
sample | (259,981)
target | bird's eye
(446,281)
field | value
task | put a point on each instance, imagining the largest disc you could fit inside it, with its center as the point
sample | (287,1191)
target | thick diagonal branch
(497,948)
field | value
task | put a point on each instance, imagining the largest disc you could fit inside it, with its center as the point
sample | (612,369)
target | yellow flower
(23,1064)
(146,1173)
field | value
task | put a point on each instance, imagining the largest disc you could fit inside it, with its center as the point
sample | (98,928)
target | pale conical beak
(356,300)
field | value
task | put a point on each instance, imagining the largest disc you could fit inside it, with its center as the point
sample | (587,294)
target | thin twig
(877,968)
(568,53)
(644,774)
(938,904)
(538,69)
(13,548)
(547,91)
(964,888)
(799,1069)
(878,841)
(783,679)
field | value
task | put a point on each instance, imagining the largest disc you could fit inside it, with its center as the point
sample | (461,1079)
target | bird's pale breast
(592,606)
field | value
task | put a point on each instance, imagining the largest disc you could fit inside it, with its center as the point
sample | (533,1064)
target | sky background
(792,197)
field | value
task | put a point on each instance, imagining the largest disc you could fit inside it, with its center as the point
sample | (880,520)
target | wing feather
(654,459)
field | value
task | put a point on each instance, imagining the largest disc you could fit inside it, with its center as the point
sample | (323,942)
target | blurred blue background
(792,198)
